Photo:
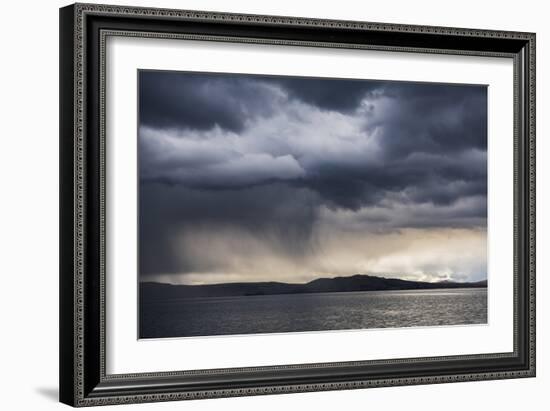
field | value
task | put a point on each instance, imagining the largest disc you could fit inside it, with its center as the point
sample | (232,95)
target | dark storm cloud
(328,94)
(470,212)
(261,157)
(202,101)
(435,118)
(438,179)
(420,130)
(194,100)
(275,214)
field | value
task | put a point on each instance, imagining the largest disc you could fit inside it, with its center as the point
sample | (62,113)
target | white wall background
(29,204)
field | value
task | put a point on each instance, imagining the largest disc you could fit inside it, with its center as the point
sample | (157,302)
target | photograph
(282,204)
(275,201)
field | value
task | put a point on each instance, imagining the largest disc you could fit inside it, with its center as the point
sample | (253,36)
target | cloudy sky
(264,178)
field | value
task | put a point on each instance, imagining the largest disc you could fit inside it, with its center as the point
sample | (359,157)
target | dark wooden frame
(83,29)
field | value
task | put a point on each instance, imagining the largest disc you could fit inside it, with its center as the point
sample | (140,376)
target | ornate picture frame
(84,32)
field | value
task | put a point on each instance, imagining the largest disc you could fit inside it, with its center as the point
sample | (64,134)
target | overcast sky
(259,178)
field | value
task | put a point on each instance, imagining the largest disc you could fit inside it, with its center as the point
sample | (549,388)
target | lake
(312,312)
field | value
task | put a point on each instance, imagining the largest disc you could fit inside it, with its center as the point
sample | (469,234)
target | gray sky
(259,178)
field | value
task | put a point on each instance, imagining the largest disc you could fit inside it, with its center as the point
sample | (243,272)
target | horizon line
(316,279)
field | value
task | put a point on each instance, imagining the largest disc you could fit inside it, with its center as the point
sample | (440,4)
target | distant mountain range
(151,291)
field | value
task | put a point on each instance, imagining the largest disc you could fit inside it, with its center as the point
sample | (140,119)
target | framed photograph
(261,204)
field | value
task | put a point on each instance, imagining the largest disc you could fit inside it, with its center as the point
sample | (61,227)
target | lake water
(312,312)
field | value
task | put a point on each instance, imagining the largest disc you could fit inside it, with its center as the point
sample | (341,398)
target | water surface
(312,312)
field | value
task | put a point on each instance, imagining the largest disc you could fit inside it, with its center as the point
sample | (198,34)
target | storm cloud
(278,173)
